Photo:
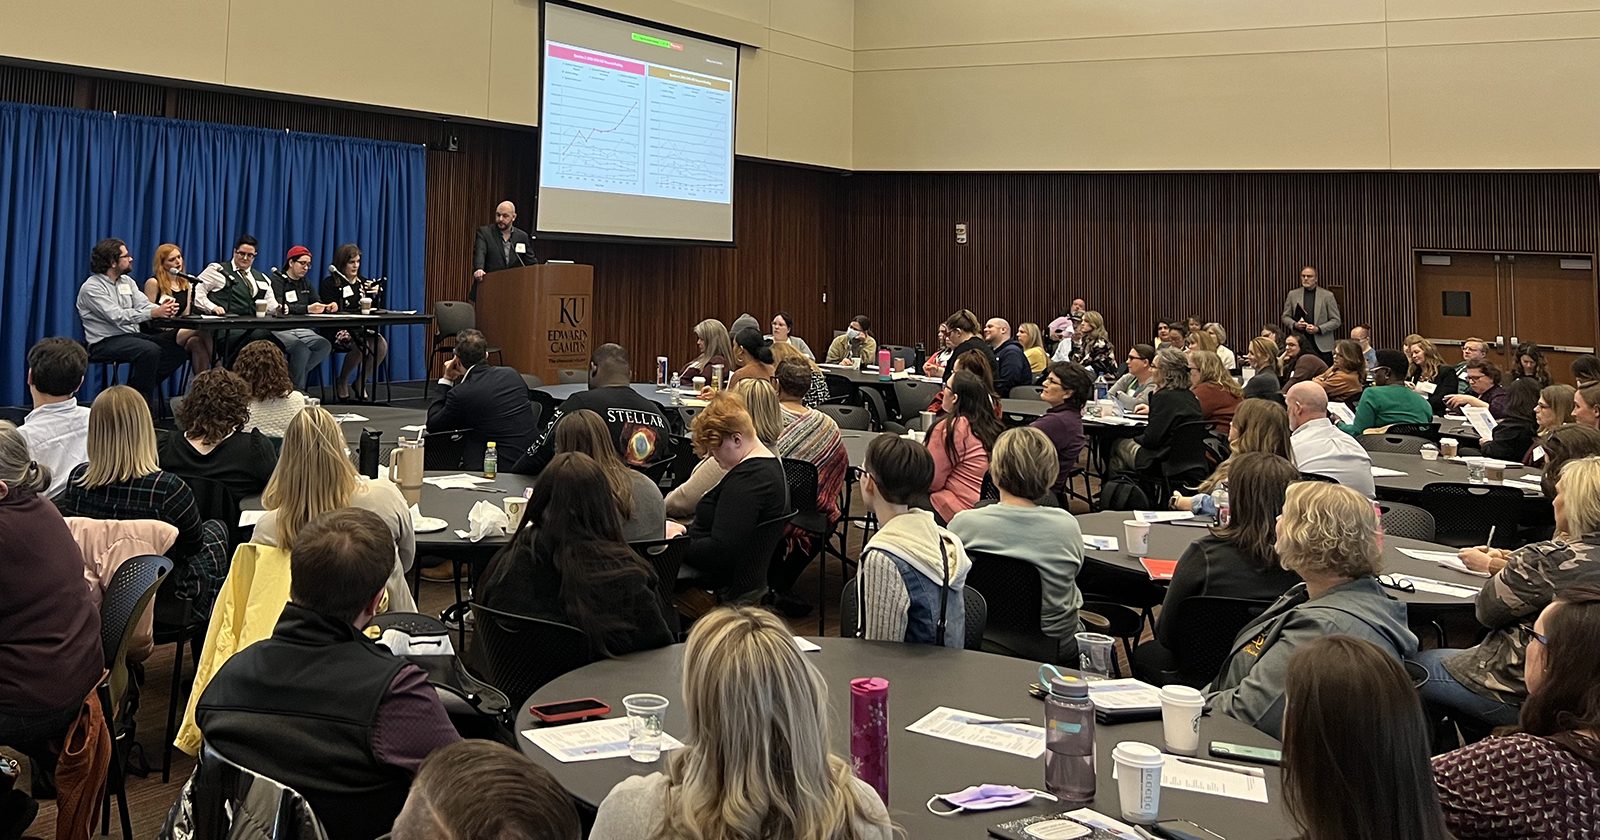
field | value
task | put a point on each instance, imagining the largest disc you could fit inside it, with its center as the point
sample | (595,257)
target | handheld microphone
(335,269)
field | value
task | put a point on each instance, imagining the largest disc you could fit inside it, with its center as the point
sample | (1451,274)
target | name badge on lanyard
(348,291)
(291,296)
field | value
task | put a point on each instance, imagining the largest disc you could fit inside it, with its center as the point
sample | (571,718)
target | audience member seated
(1531,364)
(344,287)
(1586,406)
(482,790)
(714,347)
(976,364)
(1554,408)
(1067,388)
(1220,335)
(568,562)
(1541,779)
(1483,390)
(1567,443)
(1388,401)
(315,476)
(239,288)
(752,356)
(638,428)
(1262,356)
(640,507)
(1259,426)
(960,442)
(1327,535)
(910,584)
(1428,375)
(817,390)
(782,333)
(1486,681)
(1011,361)
(1047,538)
(1355,746)
(1199,340)
(1514,434)
(1214,387)
(1275,333)
(1319,446)
(1298,363)
(56,427)
(1134,387)
(1362,334)
(49,620)
(962,327)
(124,480)
(489,401)
(1348,375)
(1236,559)
(1092,348)
(213,444)
(1172,404)
(168,282)
(1033,346)
(767,417)
(1062,334)
(273,399)
(1473,349)
(753,491)
(1168,334)
(757,761)
(813,437)
(319,706)
(855,345)
(940,358)
(112,312)
(1586,370)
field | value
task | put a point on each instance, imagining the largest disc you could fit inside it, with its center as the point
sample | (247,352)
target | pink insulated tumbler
(869,732)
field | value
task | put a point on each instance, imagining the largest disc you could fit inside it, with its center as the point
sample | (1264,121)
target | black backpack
(1122,493)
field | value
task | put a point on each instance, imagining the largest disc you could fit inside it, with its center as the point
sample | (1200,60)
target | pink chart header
(582,57)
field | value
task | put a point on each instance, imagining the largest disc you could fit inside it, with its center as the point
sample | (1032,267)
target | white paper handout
(1201,776)
(1022,739)
(1124,695)
(1385,472)
(595,739)
(1482,421)
(1530,486)
(349,418)
(417,428)
(806,645)
(1161,515)
(1101,543)
(459,481)
(248,518)
(1341,411)
(1426,388)
(1443,558)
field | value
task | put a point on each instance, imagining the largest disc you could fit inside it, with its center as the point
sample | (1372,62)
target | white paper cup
(1136,536)
(1449,447)
(1430,453)
(1180,718)
(366,305)
(261,309)
(699,383)
(514,506)
(1138,781)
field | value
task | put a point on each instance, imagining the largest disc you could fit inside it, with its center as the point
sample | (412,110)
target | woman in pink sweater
(960,444)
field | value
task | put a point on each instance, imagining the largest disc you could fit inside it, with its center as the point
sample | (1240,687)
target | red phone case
(596,711)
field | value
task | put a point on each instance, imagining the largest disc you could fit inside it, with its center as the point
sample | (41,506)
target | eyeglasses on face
(243,254)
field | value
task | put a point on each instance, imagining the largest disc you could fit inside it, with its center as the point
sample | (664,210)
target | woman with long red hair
(168,282)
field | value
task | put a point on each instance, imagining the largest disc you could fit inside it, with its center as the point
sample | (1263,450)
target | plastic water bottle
(1101,389)
(1220,496)
(1069,741)
(491,461)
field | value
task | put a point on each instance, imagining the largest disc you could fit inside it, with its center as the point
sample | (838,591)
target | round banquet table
(1168,542)
(1407,487)
(921,677)
(648,390)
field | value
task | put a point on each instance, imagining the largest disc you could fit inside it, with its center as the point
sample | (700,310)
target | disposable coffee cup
(1138,781)
(927,421)
(1136,536)
(699,383)
(1180,718)
(261,309)
(1429,452)
(1448,447)
(366,304)
(514,506)
(1495,472)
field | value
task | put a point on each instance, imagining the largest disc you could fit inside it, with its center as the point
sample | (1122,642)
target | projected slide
(621,125)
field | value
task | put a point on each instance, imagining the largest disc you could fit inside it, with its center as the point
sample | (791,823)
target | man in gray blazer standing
(1311,313)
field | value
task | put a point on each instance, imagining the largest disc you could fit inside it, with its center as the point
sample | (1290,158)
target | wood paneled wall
(825,246)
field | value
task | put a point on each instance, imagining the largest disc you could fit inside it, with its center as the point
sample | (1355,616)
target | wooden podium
(539,315)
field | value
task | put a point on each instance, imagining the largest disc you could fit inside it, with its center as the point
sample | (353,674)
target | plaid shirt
(1508,605)
(201,551)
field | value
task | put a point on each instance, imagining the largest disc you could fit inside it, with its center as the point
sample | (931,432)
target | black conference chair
(848,416)
(878,410)
(1204,630)
(1402,444)
(125,600)
(808,516)
(532,382)
(1409,521)
(1463,514)
(1015,599)
(840,388)
(665,557)
(573,376)
(442,450)
(912,397)
(522,653)
(449,318)
(1429,431)
(1027,392)
(685,415)
(975,610)
(229,800)
(1309,476)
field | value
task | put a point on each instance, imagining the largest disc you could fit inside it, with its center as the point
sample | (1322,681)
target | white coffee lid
(1138,754)
(1181,694)
(1135,522)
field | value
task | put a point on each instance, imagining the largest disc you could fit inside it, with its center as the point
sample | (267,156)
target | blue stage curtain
(69,178)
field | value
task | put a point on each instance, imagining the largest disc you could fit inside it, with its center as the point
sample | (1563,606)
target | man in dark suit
(1312,313)
(500,246)
(489,401)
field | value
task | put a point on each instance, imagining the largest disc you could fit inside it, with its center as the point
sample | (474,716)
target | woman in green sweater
(1389,400)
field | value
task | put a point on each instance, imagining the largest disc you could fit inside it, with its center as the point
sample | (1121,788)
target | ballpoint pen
(1436,472)
(1218,765)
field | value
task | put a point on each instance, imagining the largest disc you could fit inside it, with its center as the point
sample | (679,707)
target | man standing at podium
(500,246)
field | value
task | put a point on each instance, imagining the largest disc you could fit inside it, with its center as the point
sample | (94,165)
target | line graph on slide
(593,136)
(687,142)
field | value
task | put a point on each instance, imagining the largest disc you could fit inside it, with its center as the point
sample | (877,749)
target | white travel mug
(1180,718)
(1138,781)
(1136,536)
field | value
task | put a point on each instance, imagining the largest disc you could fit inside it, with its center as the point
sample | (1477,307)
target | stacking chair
(522,653)
(1205,627)
(912,397)
(125,600)
(802,479)
(1389,442)
(449,318)
(1464,514)
(848,416)
(665,557)
(573,376)
(225,800)
(442,450)
(873,401)
(1407,521)
(1014,602)
(975,609)
(1027,392)
(1429,431)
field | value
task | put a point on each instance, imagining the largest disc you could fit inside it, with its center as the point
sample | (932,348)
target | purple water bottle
(1069,741)
(869,732)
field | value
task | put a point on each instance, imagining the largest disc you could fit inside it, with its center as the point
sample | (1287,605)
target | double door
(1507,299)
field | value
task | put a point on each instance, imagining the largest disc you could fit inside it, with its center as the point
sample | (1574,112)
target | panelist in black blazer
(489,401)
(500,246)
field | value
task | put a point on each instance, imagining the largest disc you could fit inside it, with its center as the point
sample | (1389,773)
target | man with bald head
(500,246)
(1319,446)
(1013,368)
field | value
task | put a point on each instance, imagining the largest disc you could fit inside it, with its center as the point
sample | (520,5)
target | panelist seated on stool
(113,310)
